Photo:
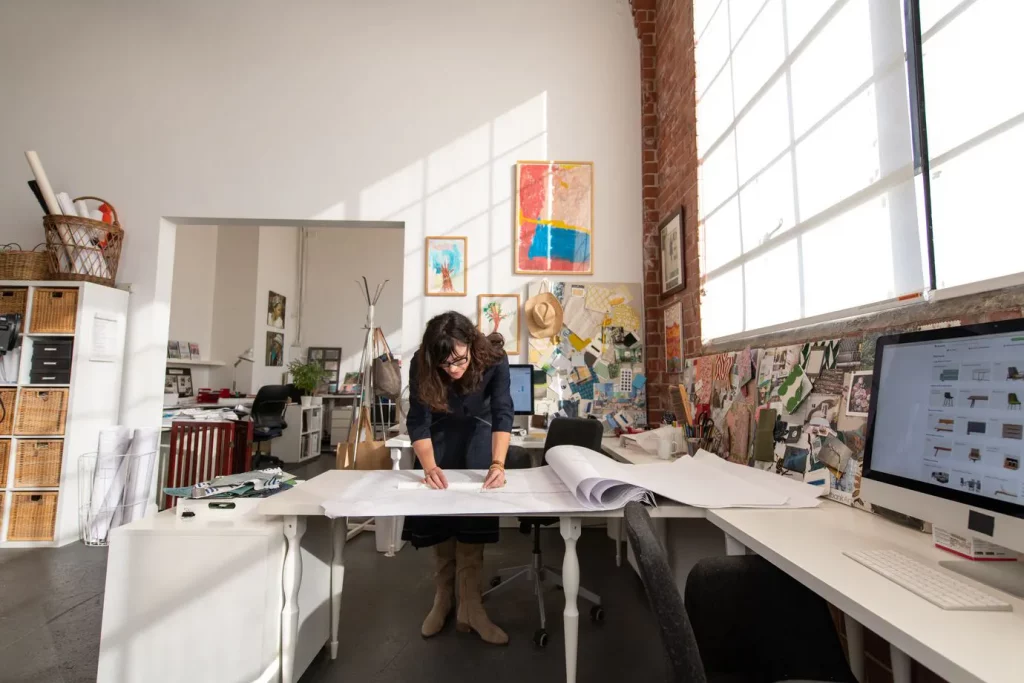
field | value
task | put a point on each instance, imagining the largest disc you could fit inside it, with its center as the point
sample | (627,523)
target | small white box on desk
(970,547)
(199,598)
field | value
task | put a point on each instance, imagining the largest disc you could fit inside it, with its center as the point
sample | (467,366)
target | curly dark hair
(439,339)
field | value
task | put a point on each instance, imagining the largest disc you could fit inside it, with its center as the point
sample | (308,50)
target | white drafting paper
(104,340)
(144,449)
(578,318)
(686,481)
(384,493)
(800,495)
(576,480)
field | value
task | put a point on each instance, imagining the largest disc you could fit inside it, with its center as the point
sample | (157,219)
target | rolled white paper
(108,479)
(66,205)
(96,215)
(138,489)
(44,184)
(82,208)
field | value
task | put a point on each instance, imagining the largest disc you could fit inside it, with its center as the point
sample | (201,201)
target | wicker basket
(16,264)
(5,451)
(84,249)
(54,311)
(12,300)
(41,412)
(33,516)
(37,463)
(7,398)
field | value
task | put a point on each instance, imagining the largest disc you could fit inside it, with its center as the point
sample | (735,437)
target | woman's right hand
(435,479)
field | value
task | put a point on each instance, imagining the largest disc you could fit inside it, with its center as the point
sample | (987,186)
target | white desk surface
(307,499)
(809,544)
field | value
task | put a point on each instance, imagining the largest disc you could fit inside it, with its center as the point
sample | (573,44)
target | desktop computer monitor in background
(522,388)
(945,433)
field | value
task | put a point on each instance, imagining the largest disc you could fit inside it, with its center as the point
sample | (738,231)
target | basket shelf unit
(52,422)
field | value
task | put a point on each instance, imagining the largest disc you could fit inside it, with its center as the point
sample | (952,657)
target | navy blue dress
(462,440)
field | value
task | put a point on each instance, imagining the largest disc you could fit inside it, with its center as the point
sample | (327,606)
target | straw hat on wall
(543,315)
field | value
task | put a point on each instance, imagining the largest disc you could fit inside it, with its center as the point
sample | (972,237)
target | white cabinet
(73,348)
(301,439)
(200,599)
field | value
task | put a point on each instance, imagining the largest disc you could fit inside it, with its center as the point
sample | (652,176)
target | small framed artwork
(445,266)
(858,398)
(275,349)
(554,219)
(673,276)
(673,320)
(173,350)
(276,309)
(193,350)
(500,313)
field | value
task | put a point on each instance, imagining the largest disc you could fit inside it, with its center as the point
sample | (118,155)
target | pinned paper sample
(601,370)
(818,356)
(702,383)
(744,367)
(583,322)
(540,352)
(598,299)
(638,382)
(577,343)
(595,347)
(581,373)
(625,317)
(722,366)
(835,455)
(626,380)
(794,389)
(560,387)
(561,363)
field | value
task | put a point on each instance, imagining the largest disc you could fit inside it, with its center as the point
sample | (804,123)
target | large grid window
(811,145)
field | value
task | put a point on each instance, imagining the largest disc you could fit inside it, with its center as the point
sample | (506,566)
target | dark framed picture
(275,349)
(276,304)
(673,276)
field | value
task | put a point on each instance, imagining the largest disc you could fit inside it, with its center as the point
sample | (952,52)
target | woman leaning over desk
(460,417)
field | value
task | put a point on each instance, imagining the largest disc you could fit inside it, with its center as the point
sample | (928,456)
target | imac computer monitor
(522,388)
(945,432)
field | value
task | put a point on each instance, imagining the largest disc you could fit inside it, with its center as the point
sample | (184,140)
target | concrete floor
(51,605)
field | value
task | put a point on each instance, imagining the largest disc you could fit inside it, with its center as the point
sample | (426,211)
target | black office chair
(743,619)
(267,416)
(563,431)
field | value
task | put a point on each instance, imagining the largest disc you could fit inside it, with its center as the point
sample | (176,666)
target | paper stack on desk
(575,480)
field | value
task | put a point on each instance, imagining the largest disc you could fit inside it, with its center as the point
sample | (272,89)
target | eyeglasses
(457,363)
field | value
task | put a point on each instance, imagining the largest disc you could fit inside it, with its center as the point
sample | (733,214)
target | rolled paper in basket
(142,457)
(108,479)
(44,183)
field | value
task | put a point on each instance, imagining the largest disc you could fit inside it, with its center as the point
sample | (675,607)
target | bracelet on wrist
(499,465)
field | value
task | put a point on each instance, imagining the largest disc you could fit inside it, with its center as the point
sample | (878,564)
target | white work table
(307,499)
(809,544)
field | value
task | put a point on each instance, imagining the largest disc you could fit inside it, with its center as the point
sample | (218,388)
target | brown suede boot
(444,589)
(469,560)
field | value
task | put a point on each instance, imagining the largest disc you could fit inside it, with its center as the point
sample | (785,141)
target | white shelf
(50,334)
(197,362)
(47,437)
(45,386)
(31,489)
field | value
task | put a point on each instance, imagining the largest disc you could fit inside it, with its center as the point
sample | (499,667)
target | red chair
(200,451)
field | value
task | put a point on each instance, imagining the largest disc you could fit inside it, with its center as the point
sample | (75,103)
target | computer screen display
(947,414)
(522,388)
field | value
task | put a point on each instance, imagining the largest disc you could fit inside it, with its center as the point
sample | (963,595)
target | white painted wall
(195,265)
(234,300)
(277,270)
(334,312)
(402,110)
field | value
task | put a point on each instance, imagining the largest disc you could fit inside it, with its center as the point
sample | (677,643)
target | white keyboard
(938,588)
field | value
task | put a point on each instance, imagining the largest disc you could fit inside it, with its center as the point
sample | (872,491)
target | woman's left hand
(495,478)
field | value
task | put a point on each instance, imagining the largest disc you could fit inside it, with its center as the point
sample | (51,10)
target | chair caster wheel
(540,638)
(597,614)
(495,581)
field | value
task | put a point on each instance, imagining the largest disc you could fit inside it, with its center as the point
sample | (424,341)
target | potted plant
(307,377)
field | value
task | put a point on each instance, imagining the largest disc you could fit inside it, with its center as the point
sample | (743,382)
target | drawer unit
(51,364)
(50,348)
(47,377)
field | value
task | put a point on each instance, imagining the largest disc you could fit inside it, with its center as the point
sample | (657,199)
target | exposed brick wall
(665,33)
